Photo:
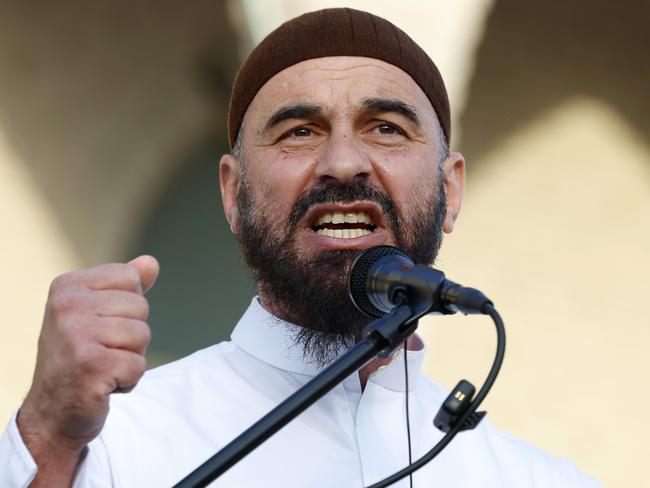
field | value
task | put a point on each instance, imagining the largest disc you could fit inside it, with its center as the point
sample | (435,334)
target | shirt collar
(270,339)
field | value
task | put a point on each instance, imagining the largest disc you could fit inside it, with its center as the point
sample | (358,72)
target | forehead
(338,83)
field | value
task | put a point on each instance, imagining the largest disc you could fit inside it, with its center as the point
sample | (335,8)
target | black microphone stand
(381,337)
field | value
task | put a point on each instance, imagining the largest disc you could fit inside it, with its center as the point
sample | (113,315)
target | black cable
(488,309)
(406,401)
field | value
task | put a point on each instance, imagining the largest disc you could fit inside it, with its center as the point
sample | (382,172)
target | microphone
(382,277)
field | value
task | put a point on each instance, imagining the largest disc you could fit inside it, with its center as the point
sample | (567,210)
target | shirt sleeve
(95,470)
(17,467)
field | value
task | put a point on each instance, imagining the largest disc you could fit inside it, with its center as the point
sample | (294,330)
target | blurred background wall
(112,120)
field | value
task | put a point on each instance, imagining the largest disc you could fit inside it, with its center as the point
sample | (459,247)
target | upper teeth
(344,218)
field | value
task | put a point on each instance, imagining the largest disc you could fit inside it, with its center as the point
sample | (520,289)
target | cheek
(407,178)
(277,193)
(280,180)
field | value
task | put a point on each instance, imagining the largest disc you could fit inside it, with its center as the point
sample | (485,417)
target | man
(339,128)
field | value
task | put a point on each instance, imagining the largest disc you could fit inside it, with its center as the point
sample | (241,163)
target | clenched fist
(92,344)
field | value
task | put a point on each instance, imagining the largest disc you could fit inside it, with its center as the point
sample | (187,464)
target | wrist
(42,440)
(56,458)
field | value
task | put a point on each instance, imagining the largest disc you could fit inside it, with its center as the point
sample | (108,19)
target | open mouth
(344,225)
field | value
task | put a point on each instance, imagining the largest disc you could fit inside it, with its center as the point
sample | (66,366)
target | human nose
(343,161)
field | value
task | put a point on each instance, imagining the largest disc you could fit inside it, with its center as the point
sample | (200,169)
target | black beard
(313,293)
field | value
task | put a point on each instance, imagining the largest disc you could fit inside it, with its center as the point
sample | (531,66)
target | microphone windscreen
(358,277)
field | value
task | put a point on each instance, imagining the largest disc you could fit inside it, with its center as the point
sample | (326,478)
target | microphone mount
(382,276)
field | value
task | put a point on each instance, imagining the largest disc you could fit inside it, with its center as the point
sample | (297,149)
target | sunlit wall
(549,105)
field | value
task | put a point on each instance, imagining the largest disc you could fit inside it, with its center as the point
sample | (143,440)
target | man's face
(339,154)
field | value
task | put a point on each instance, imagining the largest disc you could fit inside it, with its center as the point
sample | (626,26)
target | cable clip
(455,405)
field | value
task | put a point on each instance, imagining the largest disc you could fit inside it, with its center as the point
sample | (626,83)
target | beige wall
(555,226)
(560,238)
(34,249)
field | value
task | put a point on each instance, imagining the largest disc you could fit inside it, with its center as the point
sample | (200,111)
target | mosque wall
(111,118)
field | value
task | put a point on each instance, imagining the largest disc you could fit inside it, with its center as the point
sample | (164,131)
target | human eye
(300,137)
(388,129)
(301,132)
(383,129)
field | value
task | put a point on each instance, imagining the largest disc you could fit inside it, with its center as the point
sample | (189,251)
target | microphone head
(358,287)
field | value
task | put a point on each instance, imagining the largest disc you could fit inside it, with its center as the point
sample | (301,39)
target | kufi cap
(335,32)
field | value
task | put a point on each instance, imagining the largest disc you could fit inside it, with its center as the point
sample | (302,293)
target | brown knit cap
(335,32)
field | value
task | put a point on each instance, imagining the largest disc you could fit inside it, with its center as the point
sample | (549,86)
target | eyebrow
(298,111)
(373,105)
(383,105)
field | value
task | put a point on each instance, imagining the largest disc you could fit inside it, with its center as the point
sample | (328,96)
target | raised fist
(92,344)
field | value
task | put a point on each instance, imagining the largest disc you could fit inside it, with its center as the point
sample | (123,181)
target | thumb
(148,268)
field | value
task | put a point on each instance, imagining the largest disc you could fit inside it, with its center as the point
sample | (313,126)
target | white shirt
(182,413)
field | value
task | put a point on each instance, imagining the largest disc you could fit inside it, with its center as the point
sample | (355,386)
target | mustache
(336,192)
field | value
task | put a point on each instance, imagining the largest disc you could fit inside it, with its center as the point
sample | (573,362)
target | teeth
(344,233)
(326,232)
(335,218)
(324,219)
(341,218)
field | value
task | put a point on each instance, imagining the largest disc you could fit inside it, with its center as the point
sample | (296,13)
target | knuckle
(59,283)
(87,360)
(97,392)
(139,335)
(139,365)
(61,304)
(144,332)
(134,369)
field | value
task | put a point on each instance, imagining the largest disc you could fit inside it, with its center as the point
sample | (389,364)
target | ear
(454,171)
(229,174)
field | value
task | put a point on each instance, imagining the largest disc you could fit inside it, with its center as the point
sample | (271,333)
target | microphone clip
(392,329)
(454,406)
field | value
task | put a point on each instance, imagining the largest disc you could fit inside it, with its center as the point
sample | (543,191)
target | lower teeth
(344,233)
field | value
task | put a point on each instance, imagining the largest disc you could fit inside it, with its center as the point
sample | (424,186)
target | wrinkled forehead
(338,85)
